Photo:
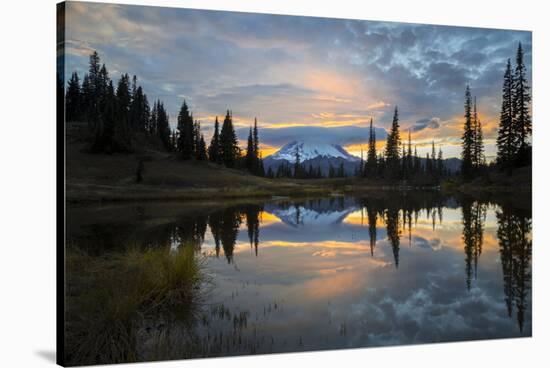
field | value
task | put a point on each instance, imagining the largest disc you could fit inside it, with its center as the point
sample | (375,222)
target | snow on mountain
(312,150)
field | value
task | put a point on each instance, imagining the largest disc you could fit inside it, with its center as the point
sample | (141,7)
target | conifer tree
(417,164)
(392,148)
(440,168)
(371,153)
(478,159)
(214,149)
(201,149)
(522,115)
(506,140)
(123,100)
(186,138)
(250,158)
(230,150)
(163,127)
(73,99)
(467,135)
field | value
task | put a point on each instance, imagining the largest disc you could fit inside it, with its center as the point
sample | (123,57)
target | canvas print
(239,183)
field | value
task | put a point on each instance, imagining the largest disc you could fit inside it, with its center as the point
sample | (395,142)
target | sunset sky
(302,77)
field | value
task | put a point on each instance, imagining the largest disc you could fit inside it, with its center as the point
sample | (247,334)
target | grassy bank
(106,178)
(113,300)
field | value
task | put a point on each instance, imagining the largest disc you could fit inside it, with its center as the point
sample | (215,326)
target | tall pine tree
(467,135)
(392,148)
(371,163)
(506,140)
(522,115)
(186,136)
(230,150)
(214,153)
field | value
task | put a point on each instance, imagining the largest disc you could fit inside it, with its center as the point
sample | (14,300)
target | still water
(339,272)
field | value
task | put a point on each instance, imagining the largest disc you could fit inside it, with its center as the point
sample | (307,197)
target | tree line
(399,161)
(116,115)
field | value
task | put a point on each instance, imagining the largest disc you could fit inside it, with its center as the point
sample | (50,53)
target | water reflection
(338,272)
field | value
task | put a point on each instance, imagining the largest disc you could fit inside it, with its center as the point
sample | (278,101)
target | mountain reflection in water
(339,272)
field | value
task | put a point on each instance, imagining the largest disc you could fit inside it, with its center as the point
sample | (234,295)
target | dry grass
(110,296)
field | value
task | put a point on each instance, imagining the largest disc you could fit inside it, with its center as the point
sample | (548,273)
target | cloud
(431,123)
(339,135)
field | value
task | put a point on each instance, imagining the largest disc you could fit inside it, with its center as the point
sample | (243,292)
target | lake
(286,274)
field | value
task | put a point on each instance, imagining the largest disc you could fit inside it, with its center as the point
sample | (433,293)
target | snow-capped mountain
(315,155)
(310,150)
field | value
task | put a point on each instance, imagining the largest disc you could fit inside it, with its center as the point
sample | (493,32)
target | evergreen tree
(409,164)
(123,100)
(214,149)
(185,128)
(230,150)
(73,99)
(250,158)
(433,159)
(467,136)
(392,148)
(163,127)
(197,140)
(260,169)
(201,149)
(440,167)
(506,140)
(478,150)
(256,147)
(371,153)
(522,115)
(87,97)
(417,163)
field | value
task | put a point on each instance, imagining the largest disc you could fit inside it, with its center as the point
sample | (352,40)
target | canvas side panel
(60,187)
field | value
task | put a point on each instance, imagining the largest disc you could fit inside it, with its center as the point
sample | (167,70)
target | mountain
(316,154)
(310,150)
(323,155)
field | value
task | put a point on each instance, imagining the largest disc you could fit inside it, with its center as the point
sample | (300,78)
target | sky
(303,78)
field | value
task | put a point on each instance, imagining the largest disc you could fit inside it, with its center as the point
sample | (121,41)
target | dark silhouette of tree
(392,148)
(250,158)
(214,153)
(515,244)
(392,228)
(186,134)
(252,213)
(229,228)
(478,157)
(371,163)
(506,140)
(473,220)
(200,144)
(230,150)
(122,126)
(468,136)
(163,127)
(372,217)
(522,115)
(73,99)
